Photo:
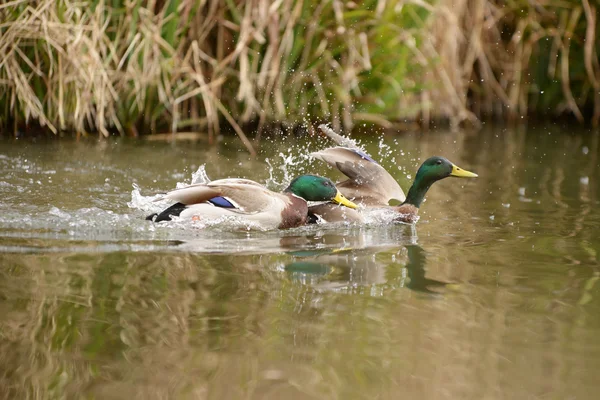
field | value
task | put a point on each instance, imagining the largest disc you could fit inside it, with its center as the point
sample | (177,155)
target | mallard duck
(251,201)
(371,185)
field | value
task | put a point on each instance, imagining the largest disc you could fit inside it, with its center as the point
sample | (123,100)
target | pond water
(494,294)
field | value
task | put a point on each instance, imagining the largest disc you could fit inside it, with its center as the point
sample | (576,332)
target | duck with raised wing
(371,185)
(251,202)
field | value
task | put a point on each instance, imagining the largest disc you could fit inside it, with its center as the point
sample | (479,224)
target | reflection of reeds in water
(46,308)
(182,325)
(119,325)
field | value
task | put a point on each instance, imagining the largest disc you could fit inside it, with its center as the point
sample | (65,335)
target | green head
(316,188)
(432,170)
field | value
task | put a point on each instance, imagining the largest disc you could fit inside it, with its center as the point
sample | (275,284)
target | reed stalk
(512,59)
(137,67)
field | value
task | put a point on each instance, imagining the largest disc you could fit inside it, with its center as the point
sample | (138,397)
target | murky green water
(495,294)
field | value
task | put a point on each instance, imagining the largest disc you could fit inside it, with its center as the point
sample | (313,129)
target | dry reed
(510,59)
(172,65)
(138,67)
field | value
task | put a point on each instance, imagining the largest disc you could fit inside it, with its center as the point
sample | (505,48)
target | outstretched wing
(243,195)
(368,182)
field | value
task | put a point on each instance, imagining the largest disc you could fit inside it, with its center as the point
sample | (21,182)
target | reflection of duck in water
(370,184)
(416,270)
(336,269)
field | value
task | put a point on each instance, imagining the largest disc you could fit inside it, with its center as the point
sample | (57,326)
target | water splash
(288,166)
(200,176)
(153,203)
(381,217)
(282,168)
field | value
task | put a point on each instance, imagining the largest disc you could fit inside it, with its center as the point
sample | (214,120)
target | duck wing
(368,182)
(240,195)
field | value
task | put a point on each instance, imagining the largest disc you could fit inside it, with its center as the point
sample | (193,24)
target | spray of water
(282,168)
(151,204)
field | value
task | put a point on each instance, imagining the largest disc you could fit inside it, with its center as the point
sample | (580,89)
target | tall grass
(509,59)
(141,66)
(133,65)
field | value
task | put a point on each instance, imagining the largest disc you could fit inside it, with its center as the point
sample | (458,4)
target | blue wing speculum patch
(364,155)
(222,202)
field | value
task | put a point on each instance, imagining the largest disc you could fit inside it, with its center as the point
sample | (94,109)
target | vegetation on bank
(142,66)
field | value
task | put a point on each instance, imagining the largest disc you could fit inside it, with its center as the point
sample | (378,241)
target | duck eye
(439,162)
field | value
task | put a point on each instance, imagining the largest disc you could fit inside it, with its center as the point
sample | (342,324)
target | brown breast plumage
(408,213)
(294,214)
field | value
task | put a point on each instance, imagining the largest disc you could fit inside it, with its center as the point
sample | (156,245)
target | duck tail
(166,215)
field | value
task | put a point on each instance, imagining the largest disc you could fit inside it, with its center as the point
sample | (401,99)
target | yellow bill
(462,173)
(340,199)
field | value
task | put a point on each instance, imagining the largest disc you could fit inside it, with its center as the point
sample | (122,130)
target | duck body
(372,186)
(284,211)
(250,202)
(326,212)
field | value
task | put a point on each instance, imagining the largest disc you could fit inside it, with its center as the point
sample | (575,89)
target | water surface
(494,294)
